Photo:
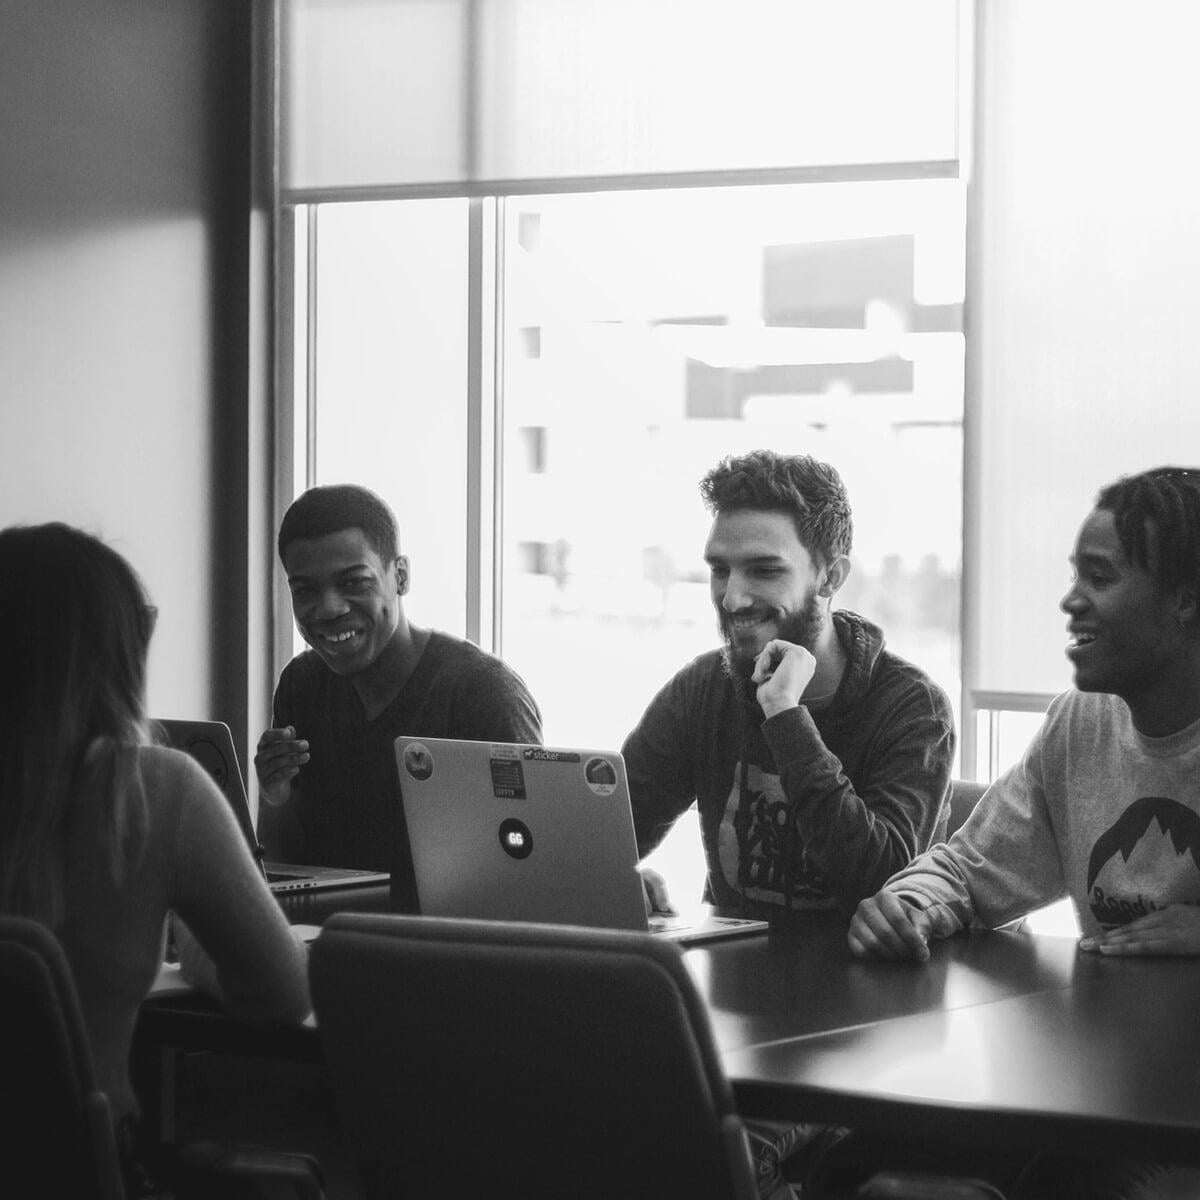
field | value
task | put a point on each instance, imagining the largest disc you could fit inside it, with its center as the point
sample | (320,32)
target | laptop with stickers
(516,832)
(210,743)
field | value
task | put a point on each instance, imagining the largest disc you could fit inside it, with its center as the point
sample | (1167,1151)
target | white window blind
(1085,305)
(403,93)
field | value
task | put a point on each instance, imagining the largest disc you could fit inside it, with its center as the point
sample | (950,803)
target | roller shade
(403,93)
(1085,307)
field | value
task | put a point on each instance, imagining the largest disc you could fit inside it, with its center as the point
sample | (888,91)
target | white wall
(119,393)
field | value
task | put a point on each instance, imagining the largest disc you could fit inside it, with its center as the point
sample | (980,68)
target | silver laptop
(516,832)
(210,743)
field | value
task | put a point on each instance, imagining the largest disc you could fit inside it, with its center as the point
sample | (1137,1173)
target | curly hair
(809,491)
(332,508)
(1157,514)
(71,710)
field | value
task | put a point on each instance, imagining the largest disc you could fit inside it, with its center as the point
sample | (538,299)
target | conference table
(1002,1038)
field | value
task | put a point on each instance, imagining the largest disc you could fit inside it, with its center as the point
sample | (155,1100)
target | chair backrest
(55,1126)
(536,1060)
(964,795)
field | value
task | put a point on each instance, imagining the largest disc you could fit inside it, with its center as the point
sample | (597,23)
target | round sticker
(418,761)
(516,838)
(601,776)
(211,759)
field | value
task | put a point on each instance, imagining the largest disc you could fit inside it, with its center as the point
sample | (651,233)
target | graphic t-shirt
(810,808)
(761,854)
(1094,810)
(1146,860)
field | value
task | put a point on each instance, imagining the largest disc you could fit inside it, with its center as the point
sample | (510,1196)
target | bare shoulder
(169,775)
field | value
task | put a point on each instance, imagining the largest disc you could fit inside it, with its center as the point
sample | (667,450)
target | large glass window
(638,335)
(552,273)
(641,336)
(387,378)
(649,334)
(644,335)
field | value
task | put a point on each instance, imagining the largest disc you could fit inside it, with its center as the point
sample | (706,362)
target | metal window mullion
(970,631)
(290,269)
(482,454)
(877,172)
(993,745)
(496,409)
(310,345)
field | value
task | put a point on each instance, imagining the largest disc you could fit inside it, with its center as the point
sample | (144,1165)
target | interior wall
(124,151)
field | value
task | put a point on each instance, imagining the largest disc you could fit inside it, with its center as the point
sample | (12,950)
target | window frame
(297,229)
(296,368)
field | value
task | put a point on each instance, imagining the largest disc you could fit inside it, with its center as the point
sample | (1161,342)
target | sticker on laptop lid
(208,754)
(508,776)
(418,761)
(540,754)
(601,775)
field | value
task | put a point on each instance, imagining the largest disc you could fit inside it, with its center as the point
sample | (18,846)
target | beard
(802,626)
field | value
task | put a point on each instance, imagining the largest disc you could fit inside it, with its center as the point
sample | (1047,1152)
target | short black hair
(1157,514)
(333,507)
(809,491)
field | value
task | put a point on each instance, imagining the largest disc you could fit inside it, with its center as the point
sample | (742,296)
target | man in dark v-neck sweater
(329,786)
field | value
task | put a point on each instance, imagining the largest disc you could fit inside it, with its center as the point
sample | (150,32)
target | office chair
(528,1060)
(56,1125)
(965,794)
(55,1120)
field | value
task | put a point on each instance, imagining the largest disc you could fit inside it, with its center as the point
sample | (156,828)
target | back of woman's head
(73,664)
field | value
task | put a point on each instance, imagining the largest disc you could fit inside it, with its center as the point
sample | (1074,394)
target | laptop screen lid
(516,832)
(210,743)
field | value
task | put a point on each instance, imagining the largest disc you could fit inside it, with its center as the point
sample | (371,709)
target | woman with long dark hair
(103,834)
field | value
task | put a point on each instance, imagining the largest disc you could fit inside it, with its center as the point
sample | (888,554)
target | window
(552,273)
(543,124)
(385,403)
(679,326)
(671,327)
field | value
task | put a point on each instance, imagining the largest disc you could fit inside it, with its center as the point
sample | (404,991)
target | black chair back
(525,1060)
(965,794)
(56,1127)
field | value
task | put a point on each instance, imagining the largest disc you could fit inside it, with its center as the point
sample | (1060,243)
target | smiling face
(345,598)
(763,582)
(1124,631)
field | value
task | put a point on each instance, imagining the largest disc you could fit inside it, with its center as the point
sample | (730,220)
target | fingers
(1171,930)
(1117,941)
(768,659)
(279,756)
(275,736)
(1132,949)
(782,672)
(654,887)
(884,926)
(1124,946)
(771,656)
